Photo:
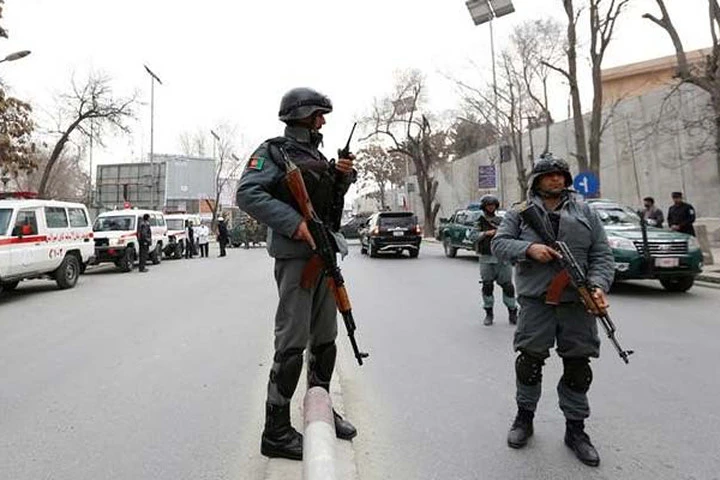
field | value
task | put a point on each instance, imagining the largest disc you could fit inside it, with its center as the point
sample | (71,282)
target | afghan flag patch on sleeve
(256,163)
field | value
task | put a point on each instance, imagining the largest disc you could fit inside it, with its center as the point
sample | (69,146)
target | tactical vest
(487,223)
(317,174)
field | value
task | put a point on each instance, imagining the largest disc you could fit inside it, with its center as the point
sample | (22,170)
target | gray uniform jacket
(260,180)
(580,228)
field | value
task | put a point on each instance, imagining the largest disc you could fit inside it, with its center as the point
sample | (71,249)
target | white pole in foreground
(319,436)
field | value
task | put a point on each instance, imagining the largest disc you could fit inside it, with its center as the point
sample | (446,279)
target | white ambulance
(116,237)
(177,233)
(43,239)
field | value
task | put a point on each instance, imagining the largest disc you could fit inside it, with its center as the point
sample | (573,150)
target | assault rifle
(324,259)
(570,273)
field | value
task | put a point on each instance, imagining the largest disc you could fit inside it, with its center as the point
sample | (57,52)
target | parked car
(43,239)
(391,232)
(461,231)
(673,258)
(116,237)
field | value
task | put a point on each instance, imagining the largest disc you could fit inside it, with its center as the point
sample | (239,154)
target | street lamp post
(16,56)
(216,140)
(485,11)
(153,78)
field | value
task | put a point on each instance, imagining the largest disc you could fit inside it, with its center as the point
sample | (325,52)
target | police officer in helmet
(304,317)
(491,269)
(568,325)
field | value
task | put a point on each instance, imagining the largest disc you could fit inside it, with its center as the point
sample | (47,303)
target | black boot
(579,442)
(344,430)
(488,316)
(522,429)
(280,439)
(512,316)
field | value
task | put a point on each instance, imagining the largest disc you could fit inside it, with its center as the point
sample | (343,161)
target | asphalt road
(162,376)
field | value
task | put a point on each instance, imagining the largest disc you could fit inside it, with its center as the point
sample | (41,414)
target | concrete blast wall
(652,145)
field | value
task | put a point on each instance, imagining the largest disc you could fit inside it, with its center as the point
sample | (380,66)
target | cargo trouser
(500,272)
(304,318)
(539,327)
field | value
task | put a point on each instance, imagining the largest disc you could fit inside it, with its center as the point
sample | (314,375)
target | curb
(708,278)
(345,466)
(319,436)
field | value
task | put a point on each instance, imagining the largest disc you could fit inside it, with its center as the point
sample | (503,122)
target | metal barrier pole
(318,436)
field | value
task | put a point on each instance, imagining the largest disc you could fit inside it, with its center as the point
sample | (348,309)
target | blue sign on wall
(586,183)
(486,177)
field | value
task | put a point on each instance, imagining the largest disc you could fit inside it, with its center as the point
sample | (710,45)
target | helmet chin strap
(551,193)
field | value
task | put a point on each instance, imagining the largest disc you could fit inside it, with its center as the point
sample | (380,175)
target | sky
(231,61)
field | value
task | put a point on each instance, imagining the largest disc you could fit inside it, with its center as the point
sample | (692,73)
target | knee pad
(577,374)
(321,364)
(528,369)
(508,289)
(286,371)
(487,288)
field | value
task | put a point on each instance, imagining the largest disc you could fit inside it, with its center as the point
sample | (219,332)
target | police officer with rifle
(292,188)
(564,268)
(491,269)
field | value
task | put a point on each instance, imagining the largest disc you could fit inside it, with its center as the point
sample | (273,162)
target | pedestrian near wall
(681,215)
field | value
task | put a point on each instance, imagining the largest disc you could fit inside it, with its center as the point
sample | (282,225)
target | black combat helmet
(300,103)
(489,200)
(549,164)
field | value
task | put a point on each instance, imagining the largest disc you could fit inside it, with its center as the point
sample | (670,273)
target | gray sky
(231,61)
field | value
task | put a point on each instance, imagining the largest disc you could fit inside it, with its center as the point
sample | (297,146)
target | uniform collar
(304,135)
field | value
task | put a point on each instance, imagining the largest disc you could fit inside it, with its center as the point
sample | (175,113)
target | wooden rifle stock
(324,258)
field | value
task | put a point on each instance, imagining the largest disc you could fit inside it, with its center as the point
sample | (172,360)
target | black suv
(391,232)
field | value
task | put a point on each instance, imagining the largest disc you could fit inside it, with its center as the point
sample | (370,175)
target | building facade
(171,183)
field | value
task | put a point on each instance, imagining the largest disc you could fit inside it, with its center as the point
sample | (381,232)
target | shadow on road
(646,289)
(28,288)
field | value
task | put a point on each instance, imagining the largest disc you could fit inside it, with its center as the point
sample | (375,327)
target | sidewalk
(711,273)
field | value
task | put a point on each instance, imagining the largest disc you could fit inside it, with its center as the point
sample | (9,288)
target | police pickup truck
(461,231)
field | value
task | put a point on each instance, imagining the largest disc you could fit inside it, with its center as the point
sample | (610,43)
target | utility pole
(485,11)
(153,78)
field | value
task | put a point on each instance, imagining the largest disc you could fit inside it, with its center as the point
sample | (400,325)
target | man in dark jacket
(681,215)
(652,215)
(222,236)
(144,235)
(190,244)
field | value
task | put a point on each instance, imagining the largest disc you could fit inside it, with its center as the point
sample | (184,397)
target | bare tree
(379,168)
(91,102)
(228,166)
(705,75)
(603,18)
(70,182)
(399,120)
(571,76)
(537,43)
(469,134)
(193,144)
(514,107)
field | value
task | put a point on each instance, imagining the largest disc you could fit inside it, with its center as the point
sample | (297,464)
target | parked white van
(116,237)
(43,238)
(177,233)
